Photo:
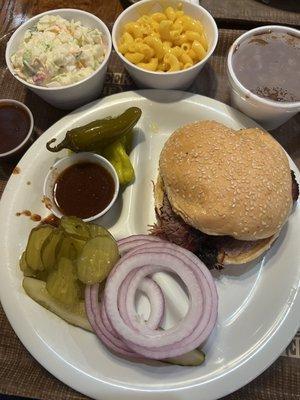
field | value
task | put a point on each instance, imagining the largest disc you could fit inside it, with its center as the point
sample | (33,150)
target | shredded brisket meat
(295,187)
(210,249)
(171,227)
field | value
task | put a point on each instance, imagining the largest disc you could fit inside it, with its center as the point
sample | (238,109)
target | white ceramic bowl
(165,80)
(66,162)
(70,96)
(21,145)
(268,113)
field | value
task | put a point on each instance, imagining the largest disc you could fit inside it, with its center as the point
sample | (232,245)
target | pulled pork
(295,187)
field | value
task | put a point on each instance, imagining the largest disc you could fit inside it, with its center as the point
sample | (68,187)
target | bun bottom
(241,252)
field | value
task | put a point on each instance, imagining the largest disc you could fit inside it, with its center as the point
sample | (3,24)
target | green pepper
(98,134)
(115,153)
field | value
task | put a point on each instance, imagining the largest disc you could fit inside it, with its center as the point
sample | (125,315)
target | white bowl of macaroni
(165,44)
(61,55)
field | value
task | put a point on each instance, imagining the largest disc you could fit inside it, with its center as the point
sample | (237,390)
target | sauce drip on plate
(14,126)
(268,64)
(83,190)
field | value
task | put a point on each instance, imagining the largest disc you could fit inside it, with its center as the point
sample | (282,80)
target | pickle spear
(192,359)
(74,315)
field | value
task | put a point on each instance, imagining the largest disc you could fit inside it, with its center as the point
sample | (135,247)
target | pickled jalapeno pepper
(117,156)
(98,134)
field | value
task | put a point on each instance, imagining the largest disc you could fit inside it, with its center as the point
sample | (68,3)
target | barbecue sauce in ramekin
(14,126)
(84,189)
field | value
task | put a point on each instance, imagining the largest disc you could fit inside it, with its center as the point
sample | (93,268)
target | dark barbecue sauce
(268,64)
(14,126)
(84,189)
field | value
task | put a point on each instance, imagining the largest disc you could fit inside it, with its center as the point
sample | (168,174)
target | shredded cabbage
(57,52)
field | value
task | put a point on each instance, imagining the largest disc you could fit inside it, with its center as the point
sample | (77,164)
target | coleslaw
(56,52)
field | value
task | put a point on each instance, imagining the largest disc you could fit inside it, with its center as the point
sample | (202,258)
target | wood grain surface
(20,374)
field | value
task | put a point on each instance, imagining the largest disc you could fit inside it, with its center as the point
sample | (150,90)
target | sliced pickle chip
(75,227)
(97,259)
(73,314)
(78,245)
(69,247)
(22,262)
(65,249)
(97,230)
(81,289)
(24,267)
(36,240)
(27,271)
(62,284)
(48,251)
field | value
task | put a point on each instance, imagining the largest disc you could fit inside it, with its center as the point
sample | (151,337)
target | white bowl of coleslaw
(61,55)
(170,79)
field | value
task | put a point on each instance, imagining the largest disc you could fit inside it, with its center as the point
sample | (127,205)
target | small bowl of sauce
(84,185)
(263,68)
(16,126)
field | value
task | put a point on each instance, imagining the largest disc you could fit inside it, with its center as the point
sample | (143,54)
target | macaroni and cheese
(164,41)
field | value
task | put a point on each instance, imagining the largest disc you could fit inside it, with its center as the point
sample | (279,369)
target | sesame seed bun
(227,182)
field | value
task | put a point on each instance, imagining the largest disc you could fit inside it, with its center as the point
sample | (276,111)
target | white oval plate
(259,303)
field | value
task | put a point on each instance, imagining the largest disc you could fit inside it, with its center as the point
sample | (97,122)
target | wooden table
(20,374)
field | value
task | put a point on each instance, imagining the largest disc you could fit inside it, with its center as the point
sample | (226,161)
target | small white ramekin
(22,144)
(165,80)
(70,96)
(268,113)
(66,162)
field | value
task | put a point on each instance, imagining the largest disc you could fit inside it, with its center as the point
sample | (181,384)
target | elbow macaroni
(165,41)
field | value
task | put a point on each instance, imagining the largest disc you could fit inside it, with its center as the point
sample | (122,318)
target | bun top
(227,182)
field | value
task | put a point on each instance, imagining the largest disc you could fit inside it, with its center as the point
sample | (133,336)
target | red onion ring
(131,242)
(116,323)
(188,334)
(193,258)
(101,325)
(92,320)
(156,299)
(93,313)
